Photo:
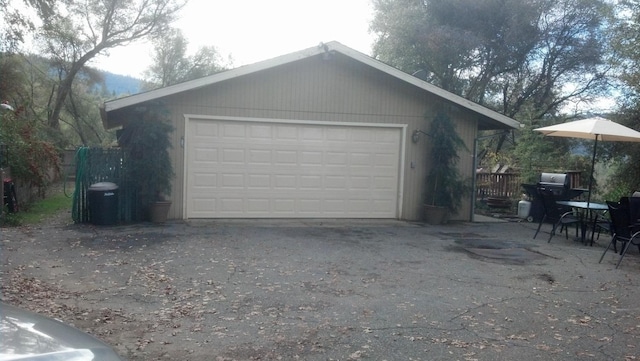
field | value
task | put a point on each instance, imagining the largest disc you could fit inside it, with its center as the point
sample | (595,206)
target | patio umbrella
(596,128)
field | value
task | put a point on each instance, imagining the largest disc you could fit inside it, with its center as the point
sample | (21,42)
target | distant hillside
(115,84)
(121,85)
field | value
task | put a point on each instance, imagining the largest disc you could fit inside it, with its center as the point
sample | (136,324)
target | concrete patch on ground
(508,252)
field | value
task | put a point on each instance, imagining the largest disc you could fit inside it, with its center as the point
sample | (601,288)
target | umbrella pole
(593,163)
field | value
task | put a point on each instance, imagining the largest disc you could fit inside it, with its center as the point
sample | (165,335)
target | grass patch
(39,211)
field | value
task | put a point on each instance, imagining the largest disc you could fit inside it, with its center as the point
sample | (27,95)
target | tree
(146,144)
(171,65)
(445,188)
(526,59)
(626,51)
(17,25)
(626,60)
(32,159)
(11,77)
(503,54)
(77,31)
(82,116)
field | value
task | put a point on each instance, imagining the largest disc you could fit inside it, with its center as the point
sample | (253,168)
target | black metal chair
(556,214)
(619,215)
(634,209)
(624,226)
(602,223)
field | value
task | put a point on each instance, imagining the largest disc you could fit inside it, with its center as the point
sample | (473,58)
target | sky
(254,30)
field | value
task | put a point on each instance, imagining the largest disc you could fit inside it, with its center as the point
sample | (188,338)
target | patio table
(587,214)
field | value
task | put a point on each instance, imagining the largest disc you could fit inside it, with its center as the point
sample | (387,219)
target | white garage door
(264,169)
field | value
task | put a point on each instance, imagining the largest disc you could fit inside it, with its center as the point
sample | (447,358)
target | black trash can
(103,203)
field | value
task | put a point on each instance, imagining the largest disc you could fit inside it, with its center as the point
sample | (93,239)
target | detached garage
(321,133)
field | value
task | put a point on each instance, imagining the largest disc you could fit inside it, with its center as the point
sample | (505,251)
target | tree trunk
(65,86)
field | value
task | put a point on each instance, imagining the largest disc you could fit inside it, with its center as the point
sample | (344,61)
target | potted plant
(148,167)
(444,188)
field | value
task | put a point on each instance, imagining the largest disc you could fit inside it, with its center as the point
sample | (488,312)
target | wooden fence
(506,185)
(509,185)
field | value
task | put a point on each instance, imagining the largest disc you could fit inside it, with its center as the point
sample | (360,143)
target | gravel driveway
(327,290)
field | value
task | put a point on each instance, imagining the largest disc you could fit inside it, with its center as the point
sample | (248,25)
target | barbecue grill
(558,184)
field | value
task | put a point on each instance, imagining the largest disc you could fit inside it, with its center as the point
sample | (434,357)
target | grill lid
(560,179)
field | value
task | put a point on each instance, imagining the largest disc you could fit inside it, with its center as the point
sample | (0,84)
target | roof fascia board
(424,85)
(209,80)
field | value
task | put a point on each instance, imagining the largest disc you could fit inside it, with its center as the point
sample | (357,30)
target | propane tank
(524,208)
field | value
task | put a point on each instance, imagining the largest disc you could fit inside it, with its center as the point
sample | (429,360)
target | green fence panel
(95,165)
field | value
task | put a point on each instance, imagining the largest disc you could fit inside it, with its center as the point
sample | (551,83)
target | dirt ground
(326,290)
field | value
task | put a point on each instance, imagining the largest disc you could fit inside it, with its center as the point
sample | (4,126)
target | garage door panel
(309,205)
(384,183)
(288,207)
(284,133)
(234,131)
(258,206)
(311,182)
(284,205)
(204,205)
(336,158)
(287,182)
(311,158)
(232,205)
(207,180)
(359,205)
(335,205)
(336,134)
(259,181)
(259,157)
(232,181)
(365,159)
(312,134)
(335,182)
(366,136)
(206,155)
(380,207)
(254,169)
(203,142)
(286,157)
(233,156)
(261,131)
(385,137)
(205,130)
(382,159)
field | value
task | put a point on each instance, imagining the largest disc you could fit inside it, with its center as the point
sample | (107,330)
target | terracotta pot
(158,211)
(435,214)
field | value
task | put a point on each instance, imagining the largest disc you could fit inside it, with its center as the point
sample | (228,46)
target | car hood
(26,336)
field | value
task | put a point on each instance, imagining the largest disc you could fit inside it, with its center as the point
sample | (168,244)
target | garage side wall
(337,89)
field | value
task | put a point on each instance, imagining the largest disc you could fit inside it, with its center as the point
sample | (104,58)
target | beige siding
(337,89)
(467,129)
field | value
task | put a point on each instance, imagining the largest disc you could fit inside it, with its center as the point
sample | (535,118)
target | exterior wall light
(415,137)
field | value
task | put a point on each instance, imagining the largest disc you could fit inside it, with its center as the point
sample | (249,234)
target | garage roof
(502,121)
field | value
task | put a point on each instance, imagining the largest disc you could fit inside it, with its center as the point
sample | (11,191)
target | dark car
(27,336)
